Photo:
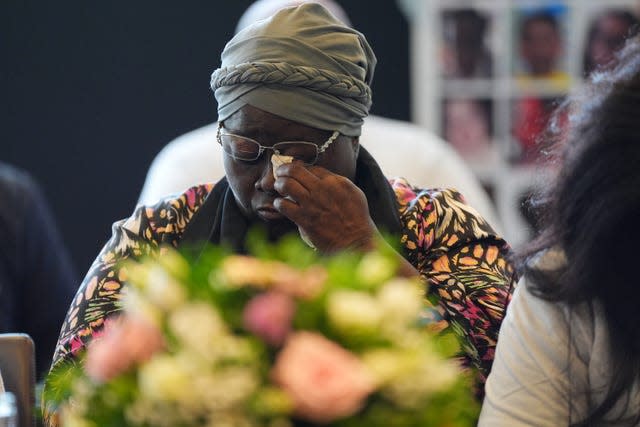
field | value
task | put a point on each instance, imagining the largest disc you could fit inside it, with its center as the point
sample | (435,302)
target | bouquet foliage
(281,338)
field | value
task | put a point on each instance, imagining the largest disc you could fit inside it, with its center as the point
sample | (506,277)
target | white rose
(225,389)
(437,372)
(199,327)
(401,300)
(350,311)
(375,268)
(163,290)
(423,373)
(164,379)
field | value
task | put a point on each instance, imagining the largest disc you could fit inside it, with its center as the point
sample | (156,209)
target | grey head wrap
(301,64)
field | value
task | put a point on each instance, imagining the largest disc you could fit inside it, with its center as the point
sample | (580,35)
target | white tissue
(276,161)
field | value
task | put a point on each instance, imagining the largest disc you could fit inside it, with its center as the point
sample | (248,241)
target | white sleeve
(529,381)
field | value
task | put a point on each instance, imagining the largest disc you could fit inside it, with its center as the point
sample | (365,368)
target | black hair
(623,15)
(472,15)
(539,16)
(591,210)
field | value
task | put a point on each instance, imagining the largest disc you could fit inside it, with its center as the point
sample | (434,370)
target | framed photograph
(540,43)
(467,124)
(465,50)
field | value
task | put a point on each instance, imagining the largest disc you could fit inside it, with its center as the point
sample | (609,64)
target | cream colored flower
(375,268)
(353,311)
(199,327)
(163,290)
(226,388)
(401,300)
(422,373)
(238,270)
(71,419)
(163,379)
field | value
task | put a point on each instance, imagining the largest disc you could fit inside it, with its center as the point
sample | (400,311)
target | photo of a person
(465,51)
(608,30)
(540,39)
(467,126)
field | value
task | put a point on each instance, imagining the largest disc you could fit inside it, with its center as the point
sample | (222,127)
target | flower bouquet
(281,338)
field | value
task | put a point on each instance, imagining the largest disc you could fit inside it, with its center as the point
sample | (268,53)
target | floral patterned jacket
(456,252)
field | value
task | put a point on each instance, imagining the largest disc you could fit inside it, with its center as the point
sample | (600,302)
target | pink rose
(125,342)
(269,316)
(325,381)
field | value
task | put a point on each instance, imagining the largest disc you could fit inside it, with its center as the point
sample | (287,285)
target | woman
(298,85)
(606,35)
(569,350)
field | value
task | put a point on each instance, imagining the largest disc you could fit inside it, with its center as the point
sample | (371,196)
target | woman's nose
(266,180)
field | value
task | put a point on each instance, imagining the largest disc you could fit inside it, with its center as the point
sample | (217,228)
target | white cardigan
(547,356)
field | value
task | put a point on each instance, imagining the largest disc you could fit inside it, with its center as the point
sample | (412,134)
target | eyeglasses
(247,149)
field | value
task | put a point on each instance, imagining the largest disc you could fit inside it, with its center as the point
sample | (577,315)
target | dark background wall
(91,91)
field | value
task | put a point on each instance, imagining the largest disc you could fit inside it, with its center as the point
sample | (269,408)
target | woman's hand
(330,209)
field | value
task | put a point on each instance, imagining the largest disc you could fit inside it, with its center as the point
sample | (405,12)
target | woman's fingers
(328,207)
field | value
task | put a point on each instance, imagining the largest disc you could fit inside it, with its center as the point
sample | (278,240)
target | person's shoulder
(407,193)
(584,317)
(442,208)
(189,199)
(166,218)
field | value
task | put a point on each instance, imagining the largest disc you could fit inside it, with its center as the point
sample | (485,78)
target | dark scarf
(220,221)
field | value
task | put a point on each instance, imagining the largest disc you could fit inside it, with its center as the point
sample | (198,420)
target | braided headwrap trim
(286,74)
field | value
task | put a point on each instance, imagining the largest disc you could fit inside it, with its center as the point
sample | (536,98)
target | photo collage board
(504,66)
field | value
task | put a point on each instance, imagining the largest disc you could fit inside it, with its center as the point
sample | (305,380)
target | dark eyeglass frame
(319,148)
